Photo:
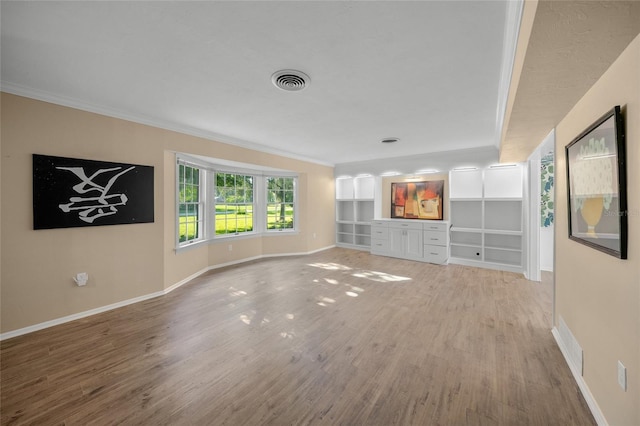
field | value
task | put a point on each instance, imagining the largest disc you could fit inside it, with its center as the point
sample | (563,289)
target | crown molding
(41,95)
(511,34)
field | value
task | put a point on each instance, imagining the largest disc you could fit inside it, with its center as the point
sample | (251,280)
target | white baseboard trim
(586,393)
(486,265)
(80,315)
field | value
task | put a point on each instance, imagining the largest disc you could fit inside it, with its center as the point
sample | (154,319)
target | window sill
(280,233)
(190,246)
(229,237)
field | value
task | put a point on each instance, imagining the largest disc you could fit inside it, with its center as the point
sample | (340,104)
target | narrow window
(280,203)
(190,205)
(233,203)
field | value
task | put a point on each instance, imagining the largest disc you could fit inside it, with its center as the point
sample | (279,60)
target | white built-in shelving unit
(487,218)
(354,211)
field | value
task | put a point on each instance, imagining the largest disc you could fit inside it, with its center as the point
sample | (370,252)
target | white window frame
(208,169)
(202,191)
(213,203)
(295,203)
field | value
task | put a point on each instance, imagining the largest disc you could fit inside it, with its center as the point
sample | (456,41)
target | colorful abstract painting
(417,200)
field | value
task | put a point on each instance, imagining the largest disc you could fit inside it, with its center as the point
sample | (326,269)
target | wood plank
(337,337)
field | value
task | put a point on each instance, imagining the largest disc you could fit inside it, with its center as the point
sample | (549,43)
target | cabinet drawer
(379,246)
(380,232)
(405,225)
(435,226)
(437,238)
(435,254)
(380,223)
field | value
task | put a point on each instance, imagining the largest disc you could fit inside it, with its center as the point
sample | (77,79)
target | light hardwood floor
(340,337)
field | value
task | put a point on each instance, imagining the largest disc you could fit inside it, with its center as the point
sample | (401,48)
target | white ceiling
(432,73)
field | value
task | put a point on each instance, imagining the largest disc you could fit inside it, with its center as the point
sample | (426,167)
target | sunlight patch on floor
(330,266)
(380,276)
(235,292)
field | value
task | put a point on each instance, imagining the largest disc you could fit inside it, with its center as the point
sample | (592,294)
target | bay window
(231,200)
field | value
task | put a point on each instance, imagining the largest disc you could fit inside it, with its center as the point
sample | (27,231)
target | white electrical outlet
(622,376)
(81,278)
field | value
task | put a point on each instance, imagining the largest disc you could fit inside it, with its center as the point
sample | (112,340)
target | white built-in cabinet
(486,213)
(405,240)
(426,241)
(354,212)
(485,227)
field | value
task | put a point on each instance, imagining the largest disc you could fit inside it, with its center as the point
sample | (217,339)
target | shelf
(505,257)
(473,230)
(364,210)
(361,229)
(501,232)
(345,228)
(503,241)
(503,249)
(466,252)
(478,246)
(503,215)
(363,240)
(466,214)
(345,238)
(344,211)
(473,238)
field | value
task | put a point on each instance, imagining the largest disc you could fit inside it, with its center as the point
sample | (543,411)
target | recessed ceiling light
(426,171)
(461,169)
(290,80)
(390,174)
(502,166)
(389,140)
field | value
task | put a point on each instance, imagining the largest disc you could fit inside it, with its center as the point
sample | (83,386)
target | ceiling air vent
(389,140)
(290,80)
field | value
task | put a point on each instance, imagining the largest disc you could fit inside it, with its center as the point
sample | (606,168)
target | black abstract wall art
(70,192)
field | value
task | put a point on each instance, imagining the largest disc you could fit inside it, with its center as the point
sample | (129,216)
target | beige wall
(386,191)
(598,295)
(123,261)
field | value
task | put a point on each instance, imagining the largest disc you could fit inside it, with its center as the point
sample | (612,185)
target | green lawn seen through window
(231,219)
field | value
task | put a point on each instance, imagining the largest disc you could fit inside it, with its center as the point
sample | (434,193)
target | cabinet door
(396,242)
(413,243)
